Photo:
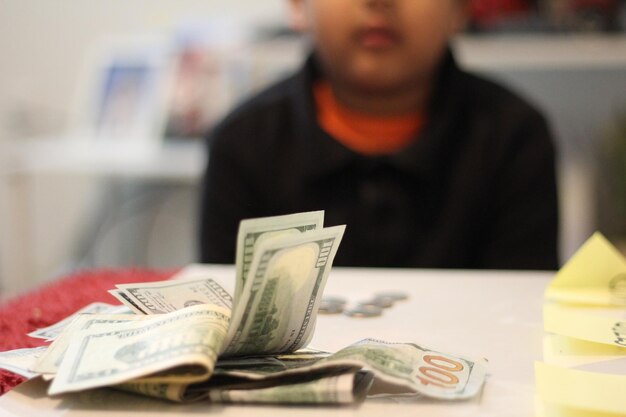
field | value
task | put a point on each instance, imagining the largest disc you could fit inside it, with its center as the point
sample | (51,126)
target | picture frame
(198,92)
(217,64)
(121,96)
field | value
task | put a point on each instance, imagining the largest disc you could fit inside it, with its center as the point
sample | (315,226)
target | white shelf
(495,52)
(123,158)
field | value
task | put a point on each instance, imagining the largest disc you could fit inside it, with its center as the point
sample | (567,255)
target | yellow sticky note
(595,325)
(570,352)
(578,389)
(544,409)
(595,274)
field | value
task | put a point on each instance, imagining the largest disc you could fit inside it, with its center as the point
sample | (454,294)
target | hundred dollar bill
(345,388)
(176,392)
(332,387)
(277,309)
(270,366)
(49,361)
(397,369)
(123,298)
(21,361)
(237,371)
(171,295)
(252,232)
(178,347)
(118,310)
(406,368)
(51,332)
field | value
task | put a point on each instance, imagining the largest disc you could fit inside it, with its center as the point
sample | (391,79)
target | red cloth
(55,301)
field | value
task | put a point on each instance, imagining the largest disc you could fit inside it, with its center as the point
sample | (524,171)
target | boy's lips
(378,37)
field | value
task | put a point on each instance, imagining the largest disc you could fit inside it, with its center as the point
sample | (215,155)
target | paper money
(278,306)
(339,387)
(302,262)
(168,296)
(399,368)
(303,362)
(169,349)
(49,361)
(396,368)
(164,391)
(343,388)
(21,361)
(51,332)
(248,373)
(253,232)
(123,298)
(406,368)
(179,347)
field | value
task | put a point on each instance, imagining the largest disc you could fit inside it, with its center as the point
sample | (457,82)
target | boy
(427,165)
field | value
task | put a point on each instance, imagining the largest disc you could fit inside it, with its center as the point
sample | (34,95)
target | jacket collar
(321,155)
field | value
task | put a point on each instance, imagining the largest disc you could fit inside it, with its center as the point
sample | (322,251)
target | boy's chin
(381,85)
(382,79)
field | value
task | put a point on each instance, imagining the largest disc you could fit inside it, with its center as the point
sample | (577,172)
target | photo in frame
(122,94)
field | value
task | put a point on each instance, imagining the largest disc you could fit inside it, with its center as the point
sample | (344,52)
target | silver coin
(334,300)
(364,311)
(330,308)
(395,295)
(378,302)
(384,302)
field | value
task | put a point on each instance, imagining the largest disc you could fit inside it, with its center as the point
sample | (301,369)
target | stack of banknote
(195,337)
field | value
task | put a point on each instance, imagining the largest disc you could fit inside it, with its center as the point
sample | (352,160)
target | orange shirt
(364,133)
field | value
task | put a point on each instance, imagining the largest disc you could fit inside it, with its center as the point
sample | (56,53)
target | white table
(491,314)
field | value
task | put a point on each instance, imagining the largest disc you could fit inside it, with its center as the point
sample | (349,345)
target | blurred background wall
(76,192)
(44,46)
(47,52)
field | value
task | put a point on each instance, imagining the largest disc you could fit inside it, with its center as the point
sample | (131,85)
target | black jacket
(476,189)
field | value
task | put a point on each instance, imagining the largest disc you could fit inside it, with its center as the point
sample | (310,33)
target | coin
(364,311)
(330,308)
(334,300)
(395,295)
(382,302)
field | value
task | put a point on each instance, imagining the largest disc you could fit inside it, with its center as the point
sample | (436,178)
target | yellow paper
(544,409)
(581,390)
(596,274)
(569,352)
(594,325)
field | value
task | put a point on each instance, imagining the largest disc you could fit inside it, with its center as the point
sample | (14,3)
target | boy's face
(379,45)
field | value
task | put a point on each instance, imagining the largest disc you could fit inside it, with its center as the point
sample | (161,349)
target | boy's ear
(297,15)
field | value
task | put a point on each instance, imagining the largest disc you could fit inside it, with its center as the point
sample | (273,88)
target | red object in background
(486,13)
(605,5)
(606,9)
(595,14)
(55,301)
(571,14)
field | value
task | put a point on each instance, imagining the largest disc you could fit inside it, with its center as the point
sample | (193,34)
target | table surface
(492,314)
